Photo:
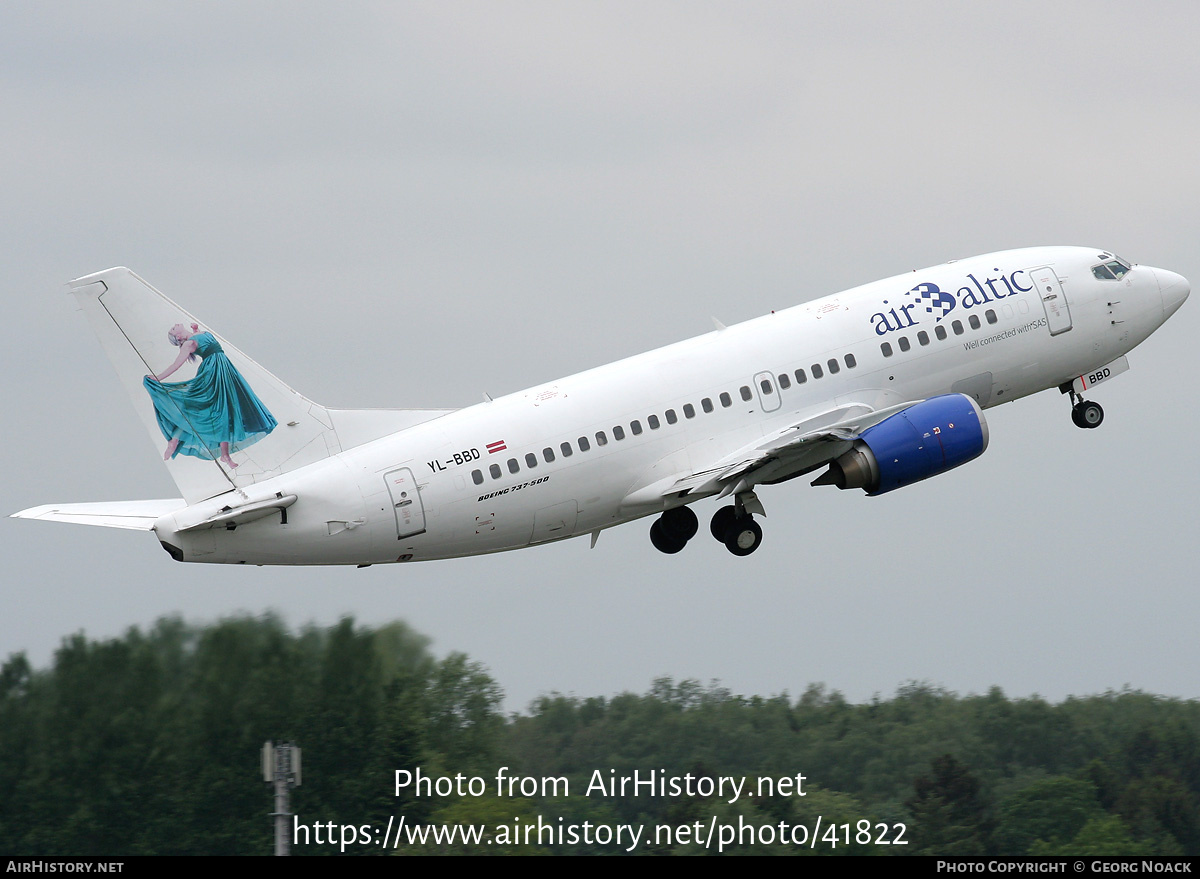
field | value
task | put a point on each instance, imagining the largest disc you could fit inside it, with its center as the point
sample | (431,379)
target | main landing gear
(1085,413)
(733,526)
(673,529)
(739,532)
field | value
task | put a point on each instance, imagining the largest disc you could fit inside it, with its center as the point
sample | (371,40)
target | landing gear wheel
(743,536)
(721,521)
(1087,414)
(663,541)
(679,523)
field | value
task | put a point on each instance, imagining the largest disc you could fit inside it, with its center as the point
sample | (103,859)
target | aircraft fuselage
(592,450)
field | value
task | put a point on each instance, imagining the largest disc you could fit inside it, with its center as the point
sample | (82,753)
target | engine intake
(924,440)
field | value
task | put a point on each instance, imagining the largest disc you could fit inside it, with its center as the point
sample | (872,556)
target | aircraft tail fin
(220,420)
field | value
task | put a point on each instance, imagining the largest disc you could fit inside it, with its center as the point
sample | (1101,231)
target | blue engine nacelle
(924,440)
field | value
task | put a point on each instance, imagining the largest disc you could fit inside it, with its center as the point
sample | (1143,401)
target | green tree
(949,812)
(1103,836)
(1054,809)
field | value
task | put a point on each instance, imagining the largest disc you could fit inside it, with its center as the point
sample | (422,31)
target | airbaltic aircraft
(879,387)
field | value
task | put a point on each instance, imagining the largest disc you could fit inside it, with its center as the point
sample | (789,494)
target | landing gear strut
(1085,413)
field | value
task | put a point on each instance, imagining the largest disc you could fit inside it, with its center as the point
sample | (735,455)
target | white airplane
(882,386)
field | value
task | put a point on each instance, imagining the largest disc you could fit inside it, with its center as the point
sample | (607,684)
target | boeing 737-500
(877,387)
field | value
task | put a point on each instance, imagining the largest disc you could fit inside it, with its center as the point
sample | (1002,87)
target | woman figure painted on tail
(215,413)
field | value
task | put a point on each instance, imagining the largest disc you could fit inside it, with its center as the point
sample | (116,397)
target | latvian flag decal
(497,446)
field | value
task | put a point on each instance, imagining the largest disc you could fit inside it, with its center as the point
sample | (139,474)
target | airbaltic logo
(935,298)
(932,300)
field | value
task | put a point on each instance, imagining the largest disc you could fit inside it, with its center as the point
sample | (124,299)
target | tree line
(148,744)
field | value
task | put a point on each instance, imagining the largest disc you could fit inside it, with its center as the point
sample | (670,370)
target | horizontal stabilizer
(134,515)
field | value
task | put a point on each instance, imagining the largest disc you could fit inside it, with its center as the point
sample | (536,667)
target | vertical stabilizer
(220,420)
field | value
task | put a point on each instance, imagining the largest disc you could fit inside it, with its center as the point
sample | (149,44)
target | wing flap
(795,449)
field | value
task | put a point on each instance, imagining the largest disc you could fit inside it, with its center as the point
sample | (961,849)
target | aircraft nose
(1174,289)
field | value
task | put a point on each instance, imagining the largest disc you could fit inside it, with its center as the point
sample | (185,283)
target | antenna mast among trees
(281,766)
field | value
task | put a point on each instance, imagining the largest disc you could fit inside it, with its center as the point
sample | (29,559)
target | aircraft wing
(134,515)
(791,451)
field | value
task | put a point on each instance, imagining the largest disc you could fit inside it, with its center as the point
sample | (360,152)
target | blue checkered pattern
(935,300)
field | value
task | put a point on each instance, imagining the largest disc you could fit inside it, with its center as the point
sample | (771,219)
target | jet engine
(924,440)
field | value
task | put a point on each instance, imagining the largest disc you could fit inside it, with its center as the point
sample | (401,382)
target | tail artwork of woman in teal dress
(215,410)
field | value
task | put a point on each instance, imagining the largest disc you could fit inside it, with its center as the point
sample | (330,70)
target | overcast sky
(512,192)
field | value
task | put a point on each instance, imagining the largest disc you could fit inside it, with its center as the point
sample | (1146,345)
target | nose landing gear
(1085,413)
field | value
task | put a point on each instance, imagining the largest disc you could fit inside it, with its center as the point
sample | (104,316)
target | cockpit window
(1115,268)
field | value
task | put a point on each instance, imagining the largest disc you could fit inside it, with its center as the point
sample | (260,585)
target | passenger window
(886,348)
(635,427)
(766,387)
(850,361)
(652,420)
(584,445)
(991,316)
(904,343)
(923,337)
(671,416)
(706,404)
(689,411)
(784,381)
(601,439)
(548,454)
(513,466)
(801,376)
(746,393)
(618,432)
(530,460)
(566,450)
(939,331)
(817,371)
(726,400)
(834,366)
(495,471)
(974,321)
(957,327)
(477,477)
